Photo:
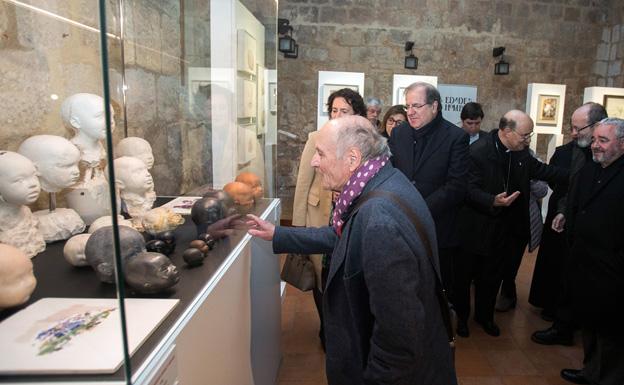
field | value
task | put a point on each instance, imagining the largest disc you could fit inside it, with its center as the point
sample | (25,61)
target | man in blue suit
(383,321)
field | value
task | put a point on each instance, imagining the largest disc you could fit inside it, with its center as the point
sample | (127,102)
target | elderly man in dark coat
(595,224)
(383,322)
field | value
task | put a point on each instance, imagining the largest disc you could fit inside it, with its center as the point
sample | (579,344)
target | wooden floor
(511,359)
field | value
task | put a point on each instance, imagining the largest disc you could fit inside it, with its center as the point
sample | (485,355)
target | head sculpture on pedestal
(55,158)
(19,182)
(135,184)
(136,148)
(84,114)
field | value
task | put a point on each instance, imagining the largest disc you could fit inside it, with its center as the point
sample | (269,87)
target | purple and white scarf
(354,187)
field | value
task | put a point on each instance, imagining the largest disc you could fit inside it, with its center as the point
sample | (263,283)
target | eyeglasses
(395,122)
(582,128)
(415,106)
(524,136)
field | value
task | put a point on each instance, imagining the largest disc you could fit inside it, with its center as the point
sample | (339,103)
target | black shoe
(505,303)
(574,375)
(489,327)
(462,329)
(552,336)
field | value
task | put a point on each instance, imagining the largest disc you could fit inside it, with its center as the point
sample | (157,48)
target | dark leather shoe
(490,328)
(462,328)
(552,336)
(504,303)
(574,375)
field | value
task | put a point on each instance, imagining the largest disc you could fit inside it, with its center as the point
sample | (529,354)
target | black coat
(483,226)
(383,323)
(595,224)
(553,248)
(441,173)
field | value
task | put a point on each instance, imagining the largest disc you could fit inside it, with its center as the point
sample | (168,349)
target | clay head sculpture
(99,250)
(253,181)
(55,158)
(149,272)
(74,250)
(19,183)
(135,183)
(240,192)
(84,114)
(224,198)
(136,148)
(17,281)
(207,211)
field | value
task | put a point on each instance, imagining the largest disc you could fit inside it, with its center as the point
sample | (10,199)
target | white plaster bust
(17,280)
(84,114)
(19,186)
(137,148)
(56,160)
(135,184)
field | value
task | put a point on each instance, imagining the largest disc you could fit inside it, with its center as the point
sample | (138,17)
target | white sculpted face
(74,250)
(137,148)
(132,175)
(19,182)
(85,114)
(17,280)
(56,160)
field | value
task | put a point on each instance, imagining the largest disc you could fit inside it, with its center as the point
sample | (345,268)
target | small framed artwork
(273,97)
(614,104)
(328,89)
(246,99)
(246,143)
(547,109)
(246,52)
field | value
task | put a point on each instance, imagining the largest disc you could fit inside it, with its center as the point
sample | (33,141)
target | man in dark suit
(383,322)
(495,220)
(595,223)
(433,154)
(471,116)
(547,290)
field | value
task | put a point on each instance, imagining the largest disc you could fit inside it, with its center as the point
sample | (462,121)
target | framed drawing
(246,99)
(273,97)
(614,104)
(246,59)
(246,143)
(76,335)
(547,109)
(329,88)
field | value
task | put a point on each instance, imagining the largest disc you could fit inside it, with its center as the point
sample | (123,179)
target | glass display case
(128,156)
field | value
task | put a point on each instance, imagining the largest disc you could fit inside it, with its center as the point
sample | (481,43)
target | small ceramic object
(200,245)
(207,211)
(252,180)
(74,250)
(241,193)
(170,240)
(193,256)
(161,219)
(208,239)
(224,198)
(99,250)
(148,272)
(157,246)
(107,220)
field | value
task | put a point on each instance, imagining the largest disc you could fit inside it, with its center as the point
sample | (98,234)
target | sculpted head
(19,182)
(55,158)
(252,180)
(240,192)
(132,176)
(17,280)
(84,114)
(136,147)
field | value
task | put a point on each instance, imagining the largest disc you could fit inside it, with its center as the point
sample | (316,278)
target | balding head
(515,130)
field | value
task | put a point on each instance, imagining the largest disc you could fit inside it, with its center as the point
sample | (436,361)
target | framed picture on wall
(614,104)
(547,109)
(246,61)
(246,99)
(328,89)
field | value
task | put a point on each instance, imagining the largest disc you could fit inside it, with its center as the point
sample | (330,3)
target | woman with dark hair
(312,204)
(395,116)
(345,101)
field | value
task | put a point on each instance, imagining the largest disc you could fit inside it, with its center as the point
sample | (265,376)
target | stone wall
(546,41)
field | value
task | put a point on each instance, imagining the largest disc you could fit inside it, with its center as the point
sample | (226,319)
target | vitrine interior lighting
(58,17)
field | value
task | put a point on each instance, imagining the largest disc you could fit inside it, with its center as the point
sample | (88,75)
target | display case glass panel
(93,142)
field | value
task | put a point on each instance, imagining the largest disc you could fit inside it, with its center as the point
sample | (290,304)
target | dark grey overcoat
(383,323)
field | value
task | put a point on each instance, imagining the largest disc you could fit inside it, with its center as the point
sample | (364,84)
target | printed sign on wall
(454,97)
